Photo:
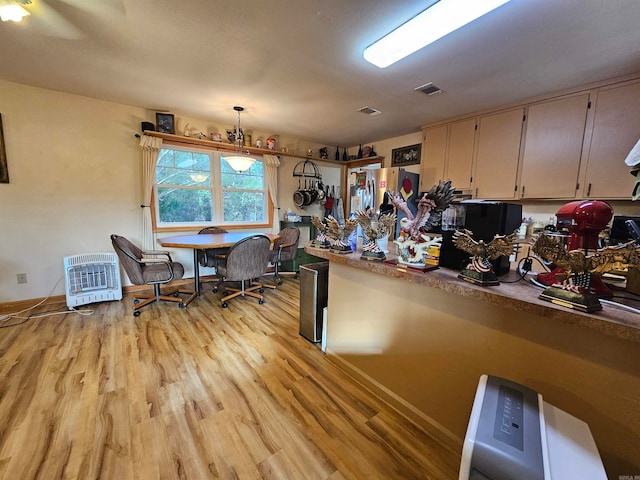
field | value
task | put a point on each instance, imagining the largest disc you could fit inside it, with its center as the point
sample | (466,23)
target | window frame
(217,194)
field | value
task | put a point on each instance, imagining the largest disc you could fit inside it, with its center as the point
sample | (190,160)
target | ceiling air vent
(372,112)
(429,89)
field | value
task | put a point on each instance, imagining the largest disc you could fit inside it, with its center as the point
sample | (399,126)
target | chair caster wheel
(261,301)
(295,276)
(136,301)
(181,305)
(261,290)
(279,282)
(225,293)
(224,304)
(136,313)
(215,290)
(175,294)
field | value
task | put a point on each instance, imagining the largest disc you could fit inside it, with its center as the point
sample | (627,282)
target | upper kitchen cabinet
(434,150)
(616,129)
(553,147)
(497,154)
(459,162)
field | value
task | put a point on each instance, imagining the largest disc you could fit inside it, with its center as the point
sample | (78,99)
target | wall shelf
(229,147)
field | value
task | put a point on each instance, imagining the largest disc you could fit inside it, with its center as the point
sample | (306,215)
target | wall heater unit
(92,277)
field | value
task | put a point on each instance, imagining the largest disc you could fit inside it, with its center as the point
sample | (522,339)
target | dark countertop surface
(613,320)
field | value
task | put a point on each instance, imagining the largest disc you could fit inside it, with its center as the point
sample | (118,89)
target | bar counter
(521,296)
(422,340)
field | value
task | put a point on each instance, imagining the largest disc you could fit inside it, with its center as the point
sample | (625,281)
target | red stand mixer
(582,221)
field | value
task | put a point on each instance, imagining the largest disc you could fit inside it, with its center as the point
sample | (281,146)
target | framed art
(4,169)
(165,122)
(406,155)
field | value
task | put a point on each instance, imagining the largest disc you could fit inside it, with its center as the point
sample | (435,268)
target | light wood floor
(195,393)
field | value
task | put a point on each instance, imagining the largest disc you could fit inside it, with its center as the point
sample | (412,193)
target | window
(197,187)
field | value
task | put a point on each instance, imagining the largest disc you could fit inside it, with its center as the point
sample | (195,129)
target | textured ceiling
(297,67)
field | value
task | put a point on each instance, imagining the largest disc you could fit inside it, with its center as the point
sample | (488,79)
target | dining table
(204,241)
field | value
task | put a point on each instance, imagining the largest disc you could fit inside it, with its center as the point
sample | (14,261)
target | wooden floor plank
(196,393)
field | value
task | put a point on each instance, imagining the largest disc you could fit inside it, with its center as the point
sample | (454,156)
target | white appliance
(91,278)
(513,434)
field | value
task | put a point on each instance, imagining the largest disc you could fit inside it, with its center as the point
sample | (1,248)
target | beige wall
(75,176)
(429,347)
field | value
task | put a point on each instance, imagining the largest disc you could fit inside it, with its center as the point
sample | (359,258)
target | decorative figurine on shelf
(579,270)
(430,208)
(321,240)
(234,136)
(374,231)
(480,270)
(324,153)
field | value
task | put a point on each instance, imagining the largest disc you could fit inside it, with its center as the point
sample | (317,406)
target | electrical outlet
(22,278)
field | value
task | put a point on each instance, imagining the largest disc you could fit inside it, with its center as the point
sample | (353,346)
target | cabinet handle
(589,190)
(522,191)
(476,192)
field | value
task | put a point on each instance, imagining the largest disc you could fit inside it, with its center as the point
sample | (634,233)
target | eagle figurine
(374,231)
(430,208)
(581,269)
(579,266)
(321,240)
(339,234)
(480,270)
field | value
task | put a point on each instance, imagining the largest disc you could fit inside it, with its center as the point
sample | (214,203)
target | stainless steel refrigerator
(368,187)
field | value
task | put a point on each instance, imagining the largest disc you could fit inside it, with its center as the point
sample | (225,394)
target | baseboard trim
(437,430)
(19,305)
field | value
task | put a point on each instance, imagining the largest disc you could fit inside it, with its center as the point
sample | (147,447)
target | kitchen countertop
(521,296)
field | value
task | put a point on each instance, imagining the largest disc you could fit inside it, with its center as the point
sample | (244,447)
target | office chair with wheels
(284,250)
(211,257)
(152,267)
(246,260)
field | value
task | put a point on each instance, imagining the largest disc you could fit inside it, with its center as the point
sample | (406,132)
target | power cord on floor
(16,315)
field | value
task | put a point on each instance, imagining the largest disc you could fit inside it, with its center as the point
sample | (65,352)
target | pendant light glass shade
(238,161)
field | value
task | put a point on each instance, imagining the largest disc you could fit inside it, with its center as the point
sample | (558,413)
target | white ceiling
(297,67)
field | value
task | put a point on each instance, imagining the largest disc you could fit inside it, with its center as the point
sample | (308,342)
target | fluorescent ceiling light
(12,11)
(434,23)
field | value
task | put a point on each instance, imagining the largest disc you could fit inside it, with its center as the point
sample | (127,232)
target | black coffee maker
(485,219)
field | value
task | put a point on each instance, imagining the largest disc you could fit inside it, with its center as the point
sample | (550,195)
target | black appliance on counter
(485,219)
(620,231)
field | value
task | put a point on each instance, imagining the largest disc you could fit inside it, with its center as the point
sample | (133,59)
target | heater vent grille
(92,277)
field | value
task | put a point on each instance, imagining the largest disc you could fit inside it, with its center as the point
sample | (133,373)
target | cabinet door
(496,165)
(434,150)
(553,147)
(616,129)
(459,164)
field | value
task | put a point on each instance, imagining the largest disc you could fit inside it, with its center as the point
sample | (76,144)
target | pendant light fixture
(11,10)
(238,161)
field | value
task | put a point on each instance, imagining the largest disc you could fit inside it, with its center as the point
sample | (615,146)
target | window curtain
(271,164)
(150,149)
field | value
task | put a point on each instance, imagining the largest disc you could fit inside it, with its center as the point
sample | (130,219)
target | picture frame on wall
(4,168)
(165,122)
(409,155)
